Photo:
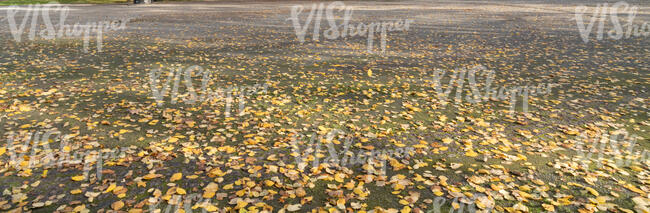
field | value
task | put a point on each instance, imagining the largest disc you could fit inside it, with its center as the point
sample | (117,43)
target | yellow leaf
(208,194)
(571,132)
(180,191)
(24,108)
(358,190)
(340,203)
(150,176)
(117,205)
(212,187)
(406,209)
(210,208)
(471,153)
(592,191)
(369,72)
(634,189)
(228,187)
(2,151)
(241,204)
(216,172)
(176,177)
(293,208)
(398,187)
(110,188)
(79,208)
(78,178)
(549,208)
(635,168)
(339,177)
(446,140)
(522,157)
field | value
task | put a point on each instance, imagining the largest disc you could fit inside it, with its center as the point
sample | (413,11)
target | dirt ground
(102,101)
